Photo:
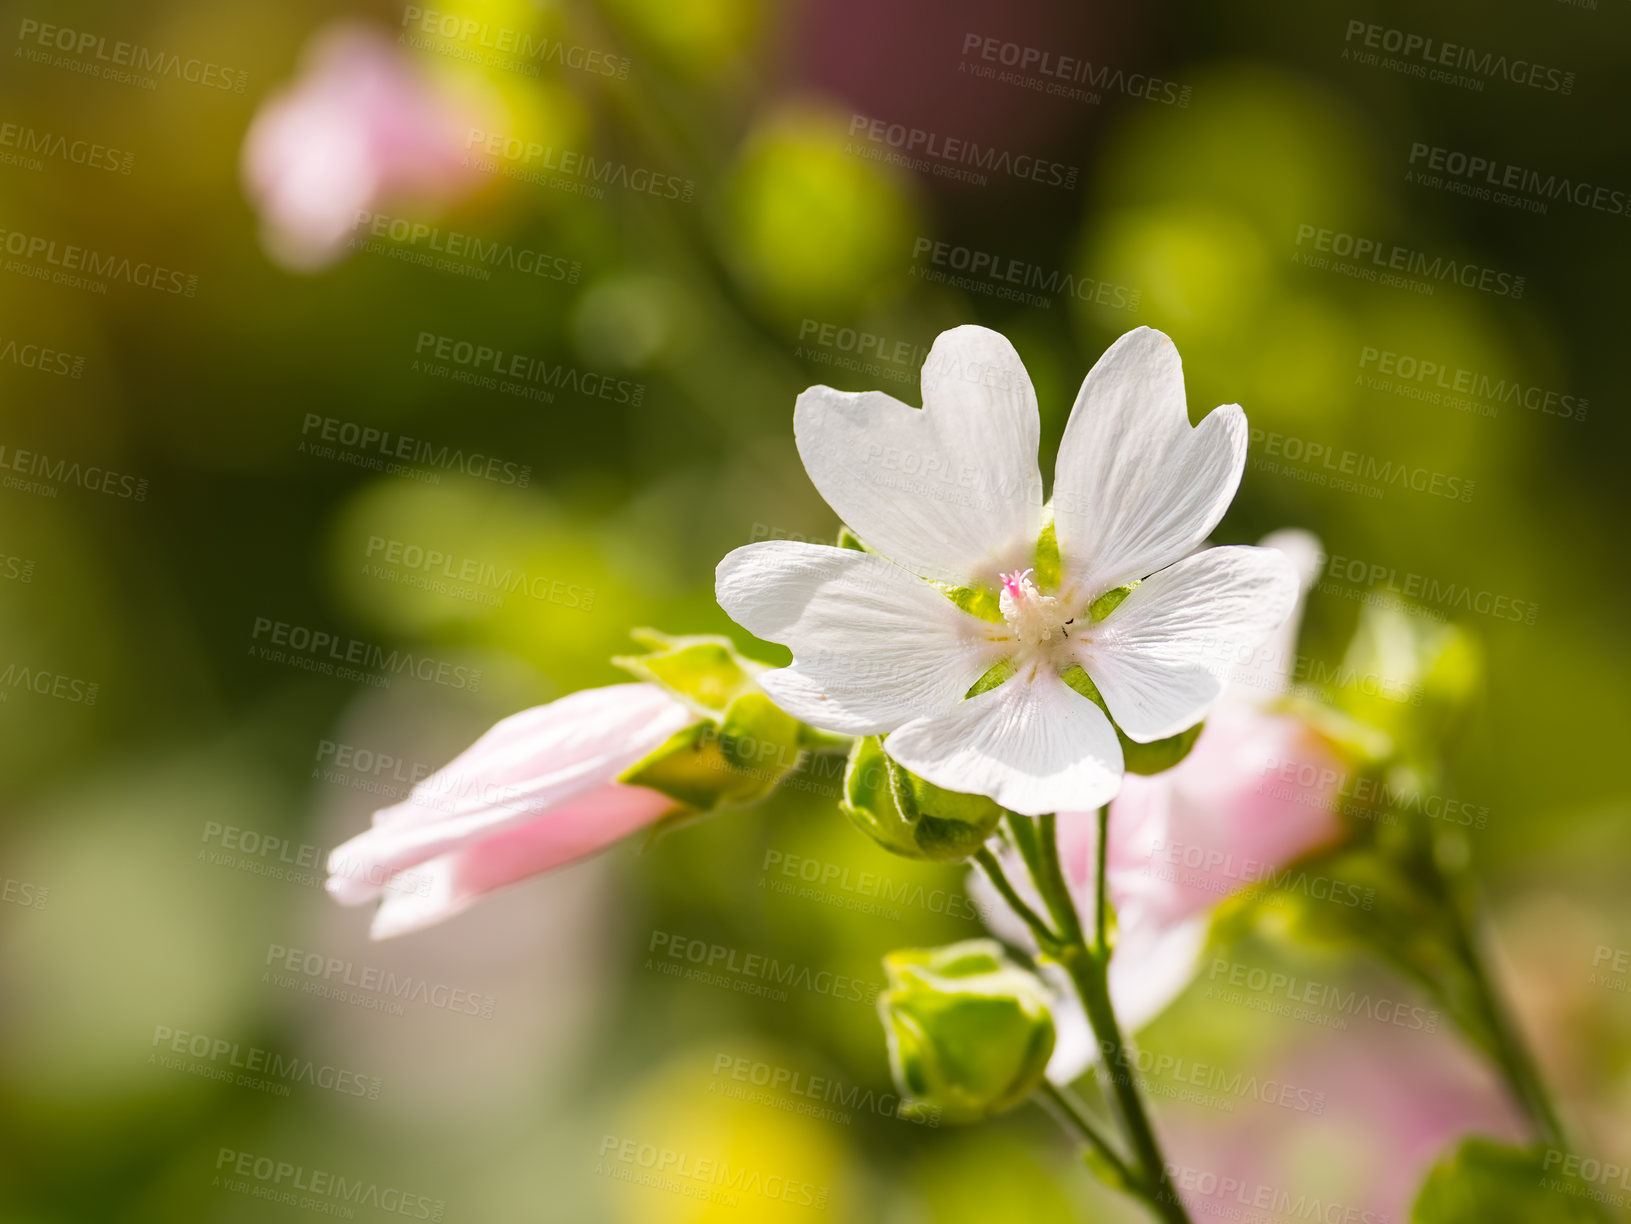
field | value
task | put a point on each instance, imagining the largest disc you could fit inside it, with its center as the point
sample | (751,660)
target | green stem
(993,870)
(1057,889)
(1074,1118)
(1100,921)
(1510,1053)
(1089,969)
(1091,975)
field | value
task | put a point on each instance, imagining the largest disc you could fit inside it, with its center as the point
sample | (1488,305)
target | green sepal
(1152,758)
(992,678)
(848,539)
(1484,1182)
(978,601)
(1049,570)
(969,1031)
(1109,601)
(909,816)
(702,670)
(737,761)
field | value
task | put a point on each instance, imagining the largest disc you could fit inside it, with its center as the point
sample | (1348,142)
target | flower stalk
(1088,963)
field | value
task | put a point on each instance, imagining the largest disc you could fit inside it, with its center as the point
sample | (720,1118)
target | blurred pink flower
(1256,793)
(360,127)
(537,791)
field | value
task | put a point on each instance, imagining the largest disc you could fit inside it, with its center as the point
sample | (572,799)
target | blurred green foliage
(721,311)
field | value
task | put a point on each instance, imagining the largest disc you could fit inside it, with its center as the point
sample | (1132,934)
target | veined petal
(1161,657)
(1033,744)
(450,883)
(1136,487)
(873,646)
(951,491)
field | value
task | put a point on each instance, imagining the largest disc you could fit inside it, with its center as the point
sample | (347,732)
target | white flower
(952,495)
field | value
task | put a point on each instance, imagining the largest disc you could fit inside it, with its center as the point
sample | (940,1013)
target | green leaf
(1484,1182)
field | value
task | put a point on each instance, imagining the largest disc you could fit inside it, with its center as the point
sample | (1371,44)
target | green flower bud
(969,1031)
(909,816)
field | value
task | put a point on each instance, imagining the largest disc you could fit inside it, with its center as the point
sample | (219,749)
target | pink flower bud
(536,792)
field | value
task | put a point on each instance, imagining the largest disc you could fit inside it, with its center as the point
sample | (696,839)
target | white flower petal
(1033,744)
(873,647)
(1270,669)
(1136,487)
(951,491)
(1160,659)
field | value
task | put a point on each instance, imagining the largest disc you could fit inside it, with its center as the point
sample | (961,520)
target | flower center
(1033,616)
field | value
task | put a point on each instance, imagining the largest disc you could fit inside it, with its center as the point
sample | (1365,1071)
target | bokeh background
(170,788)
